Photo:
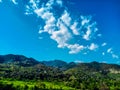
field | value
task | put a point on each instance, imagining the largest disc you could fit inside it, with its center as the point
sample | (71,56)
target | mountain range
(81,76)
(21,60)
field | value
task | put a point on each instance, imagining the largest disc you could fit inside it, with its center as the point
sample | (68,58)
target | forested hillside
(18,72)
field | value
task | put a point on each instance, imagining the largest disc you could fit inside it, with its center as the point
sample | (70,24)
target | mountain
(62,65)
(18,60)
(94,67)
(55,63)
(81,76)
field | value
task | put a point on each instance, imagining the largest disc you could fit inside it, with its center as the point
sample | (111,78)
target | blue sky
(69,30)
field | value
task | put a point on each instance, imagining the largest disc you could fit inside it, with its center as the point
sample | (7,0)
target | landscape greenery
(18,72)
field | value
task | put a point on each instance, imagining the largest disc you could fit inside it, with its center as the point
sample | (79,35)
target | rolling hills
(93,76)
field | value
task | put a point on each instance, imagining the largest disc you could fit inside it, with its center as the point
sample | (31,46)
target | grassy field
(33,85)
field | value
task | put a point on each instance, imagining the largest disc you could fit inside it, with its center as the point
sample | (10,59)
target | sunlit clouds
(63,29)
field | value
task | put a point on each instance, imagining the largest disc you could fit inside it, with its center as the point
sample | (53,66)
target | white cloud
(40,11)
(14,1)
(115,56)
(109,50)
(0,1)
(48,16)
(59,2)
(74,29)
(99,35)
(66,18)
(60,29)
(103,53)
(49,19)
(33,4)
(27,10)
(63,29)
(78,61)
(61,36)
(104,44)
(87,35)
(75,48)
(93,46)
(50,3)
(88,28)
(85,20)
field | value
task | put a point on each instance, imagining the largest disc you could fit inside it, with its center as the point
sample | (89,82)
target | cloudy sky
(69,30)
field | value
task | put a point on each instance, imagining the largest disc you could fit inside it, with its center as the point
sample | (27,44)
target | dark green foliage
(6,87)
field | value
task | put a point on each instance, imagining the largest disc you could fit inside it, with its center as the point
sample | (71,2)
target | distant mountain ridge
(92,66)
(95,67)
(55,63)
(18,60)
(59,64)
(62,65)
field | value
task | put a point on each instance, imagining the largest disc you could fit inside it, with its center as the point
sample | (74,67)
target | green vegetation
(21,73)
(31,85)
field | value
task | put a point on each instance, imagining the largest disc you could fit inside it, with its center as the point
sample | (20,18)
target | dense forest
(18,72)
